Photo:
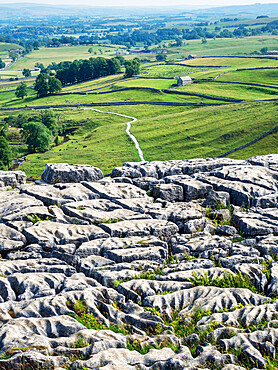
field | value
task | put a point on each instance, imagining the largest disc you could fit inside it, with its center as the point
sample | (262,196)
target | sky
(143,3)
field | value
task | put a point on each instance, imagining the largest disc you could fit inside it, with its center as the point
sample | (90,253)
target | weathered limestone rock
(258,222)
(141,228)
(65,173)
(209,298)
(36,332)
(214,199)
(13,179)
(10,239)
(13,202)
(50,233)
(59,194)
(33,359)
(115,191)
(149,267)
(169,192)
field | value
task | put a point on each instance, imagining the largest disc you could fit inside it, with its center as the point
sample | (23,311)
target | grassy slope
(101,142)
(6,47)
(232,62)
(231,91)
(236,46)
(266,77)
(164,133)
(265,146)
(122,96)
(70,53)
(203,132)
(167,70)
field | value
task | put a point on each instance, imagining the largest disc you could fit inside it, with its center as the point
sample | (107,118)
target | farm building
(183,81)
(192,56)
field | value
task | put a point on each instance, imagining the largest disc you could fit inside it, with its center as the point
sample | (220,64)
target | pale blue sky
(144,3)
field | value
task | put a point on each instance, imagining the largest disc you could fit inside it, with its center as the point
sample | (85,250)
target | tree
(90,50)
(13,55)
(41,85)
(26,72)
(160,57)
(37,136)
(121,59)
(114,66)
(264,50)
(4,127)
(132,67)
(54,85)
(21,90)
(178,41)
(36,45)
(2,64)
(5,152)
(49,120)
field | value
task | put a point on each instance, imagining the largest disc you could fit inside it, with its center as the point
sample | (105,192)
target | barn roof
(185,78)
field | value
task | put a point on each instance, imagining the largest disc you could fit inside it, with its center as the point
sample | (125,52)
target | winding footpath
(133,138)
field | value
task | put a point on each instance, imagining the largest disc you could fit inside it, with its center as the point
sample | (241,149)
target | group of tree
(13,55)
(37,136)
(2,64)
(132,67)
(46,84)
(38,130)
(5,150)
(83,70)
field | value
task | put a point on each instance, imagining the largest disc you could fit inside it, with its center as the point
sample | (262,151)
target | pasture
(163,132)
(47,56)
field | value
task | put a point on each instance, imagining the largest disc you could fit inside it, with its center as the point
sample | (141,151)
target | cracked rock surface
(162,265)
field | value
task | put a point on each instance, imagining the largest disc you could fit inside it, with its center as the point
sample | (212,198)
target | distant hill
(237,10)
(11,10)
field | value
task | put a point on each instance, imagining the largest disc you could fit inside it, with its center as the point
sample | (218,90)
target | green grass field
(121,96)
(166,134)
(163,132)
(235,46)
(6,47)
(100,142)
(65,53)
(167,70)
(261,76)
(231,91)
(234,63)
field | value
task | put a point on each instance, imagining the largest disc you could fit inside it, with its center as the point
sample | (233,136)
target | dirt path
(133,138)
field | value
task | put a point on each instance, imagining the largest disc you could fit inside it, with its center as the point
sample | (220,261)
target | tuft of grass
(80,342)
(110,220)
(228,281)
(35,218)
(81,208)
(87,319)
(149,275)
(165,292)
(135,345)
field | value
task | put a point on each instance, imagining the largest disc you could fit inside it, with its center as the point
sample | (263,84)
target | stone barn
(183,81)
